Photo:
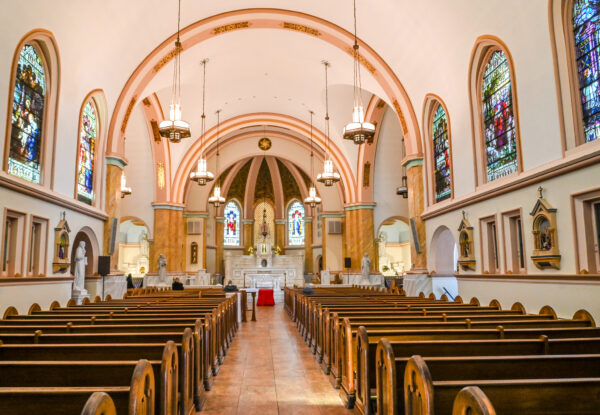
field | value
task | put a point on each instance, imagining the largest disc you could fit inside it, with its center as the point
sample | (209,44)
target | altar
(264,269)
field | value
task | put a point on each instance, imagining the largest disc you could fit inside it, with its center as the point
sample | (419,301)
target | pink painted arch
(256,18)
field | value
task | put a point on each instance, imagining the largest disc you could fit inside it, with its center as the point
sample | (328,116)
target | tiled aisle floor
(269,369)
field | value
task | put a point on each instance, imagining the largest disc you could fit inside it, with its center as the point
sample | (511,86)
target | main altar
(263,267)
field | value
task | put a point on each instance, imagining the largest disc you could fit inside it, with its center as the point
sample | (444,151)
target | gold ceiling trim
(401,116)
(230,27)
(128,114)
(168,57)
(301,28)
(362,60)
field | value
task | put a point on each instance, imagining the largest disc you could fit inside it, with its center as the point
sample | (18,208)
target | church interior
(300,207)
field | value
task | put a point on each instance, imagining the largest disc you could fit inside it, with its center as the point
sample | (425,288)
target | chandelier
(329,176)
(202,175)
(312,200)
(124,189)
(358,130)
(175,128)
(216,199)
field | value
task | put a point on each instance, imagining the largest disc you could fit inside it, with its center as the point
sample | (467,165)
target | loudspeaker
(104,265)
(347,262)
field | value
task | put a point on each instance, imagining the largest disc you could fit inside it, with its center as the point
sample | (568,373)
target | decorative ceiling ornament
(202,175)
(358,130)
(216,199)
(175,128)
(329,176)
(124,189)
(265,143)
(312,200)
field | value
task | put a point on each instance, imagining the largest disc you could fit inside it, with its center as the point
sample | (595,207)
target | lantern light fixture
(312,200)
(125,190)
(202,176)
(329,176)
(216,199)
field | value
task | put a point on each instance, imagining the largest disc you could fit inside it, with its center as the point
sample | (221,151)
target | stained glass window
(88,131)
(498,118)
(24,157)
(231,235)
(586,25)
(296,224)
(441,155)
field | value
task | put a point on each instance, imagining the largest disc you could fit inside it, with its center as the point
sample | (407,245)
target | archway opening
(444,254)
(394,247)
(89,253)
(134,248)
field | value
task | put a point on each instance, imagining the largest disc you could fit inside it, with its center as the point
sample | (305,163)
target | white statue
(80,263)
(365,267)
(162,269)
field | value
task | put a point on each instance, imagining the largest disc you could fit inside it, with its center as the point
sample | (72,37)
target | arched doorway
(444,257)
(394,246)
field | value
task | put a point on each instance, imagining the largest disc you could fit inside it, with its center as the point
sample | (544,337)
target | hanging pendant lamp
(125,190)
(312,200)
(216,199)
(202,175)
(358,130)
(329,176)
(175,128)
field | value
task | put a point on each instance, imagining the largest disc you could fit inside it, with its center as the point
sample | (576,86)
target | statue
(251,250)
(162,269)
(144,246)
(365,267)
(80,263)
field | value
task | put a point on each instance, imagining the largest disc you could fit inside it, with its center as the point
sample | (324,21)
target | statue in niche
(545,236)
(194,253)
(63,245)
(365,266)
(80,264)
(464,245)
(162,269)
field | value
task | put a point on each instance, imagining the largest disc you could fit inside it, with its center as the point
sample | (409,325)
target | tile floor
(268,370)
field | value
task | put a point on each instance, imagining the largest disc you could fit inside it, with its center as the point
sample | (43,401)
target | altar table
(265,297)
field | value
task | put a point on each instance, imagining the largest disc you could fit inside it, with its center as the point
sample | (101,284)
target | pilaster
(169,237)
(248,234)
(280,234)
(112,203)
(416,205)
(360,234)
(219,230)
(308,250)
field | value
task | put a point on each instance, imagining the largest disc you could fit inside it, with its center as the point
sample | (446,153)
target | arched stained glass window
(231,235)
(441,154)
(498,117)
(586,25)
(88,133)
(24,157)
(296,224)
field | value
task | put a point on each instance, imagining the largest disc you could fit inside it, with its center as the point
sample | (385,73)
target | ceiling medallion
(264,143)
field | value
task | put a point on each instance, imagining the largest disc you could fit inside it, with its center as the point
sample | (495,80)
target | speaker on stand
(103,269)
(348,265)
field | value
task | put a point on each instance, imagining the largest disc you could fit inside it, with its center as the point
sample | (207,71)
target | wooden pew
(99,403)
(509,389)
(135,398)
(369,361)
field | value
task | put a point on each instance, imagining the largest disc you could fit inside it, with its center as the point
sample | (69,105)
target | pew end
(10,311)
(142,390)
(387,402)
(472,401)
(518,307)
(169,386)
(585,316)
(34,307)
(418,387)
(548,311)
(99,403)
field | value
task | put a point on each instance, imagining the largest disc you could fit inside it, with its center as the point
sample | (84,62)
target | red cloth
(265,297)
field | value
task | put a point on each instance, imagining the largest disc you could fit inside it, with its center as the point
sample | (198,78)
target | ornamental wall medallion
(264,143)
(545,236)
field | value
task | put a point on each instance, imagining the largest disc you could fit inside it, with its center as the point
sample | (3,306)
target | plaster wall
(22,296)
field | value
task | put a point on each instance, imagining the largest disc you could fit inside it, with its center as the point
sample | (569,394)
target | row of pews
(392,354)
(152,352)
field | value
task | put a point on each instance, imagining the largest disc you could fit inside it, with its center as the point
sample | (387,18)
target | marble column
(308,250)
(114,169)
(219,229)
(360,234)
(324,241)
(248,235)
(280,234)
(416,204)
(169,237)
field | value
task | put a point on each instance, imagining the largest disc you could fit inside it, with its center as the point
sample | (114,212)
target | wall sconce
(124,189)
(403,190)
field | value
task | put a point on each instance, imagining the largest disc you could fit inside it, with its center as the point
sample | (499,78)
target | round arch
(394,253)
(92,249)
(443,253)
(257,18)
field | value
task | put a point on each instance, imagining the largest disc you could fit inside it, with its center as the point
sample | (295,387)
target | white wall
(22,296)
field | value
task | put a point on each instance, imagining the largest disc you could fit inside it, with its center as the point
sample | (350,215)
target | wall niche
(61,261)
(545,235)
(466,255)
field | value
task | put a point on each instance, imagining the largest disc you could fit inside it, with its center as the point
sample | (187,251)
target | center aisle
(268,370)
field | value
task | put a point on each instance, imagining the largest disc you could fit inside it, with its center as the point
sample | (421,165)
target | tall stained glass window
(586,29)
(88,132)
(441,154)
(296,224)
(27,116)
(498,118)
(231,235)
